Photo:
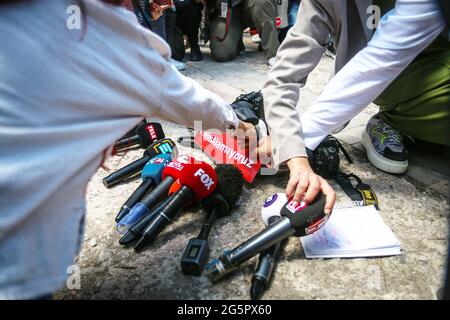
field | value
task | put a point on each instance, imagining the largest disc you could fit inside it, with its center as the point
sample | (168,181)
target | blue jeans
(159,26)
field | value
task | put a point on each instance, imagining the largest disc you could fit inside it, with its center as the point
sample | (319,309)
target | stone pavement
(414,206)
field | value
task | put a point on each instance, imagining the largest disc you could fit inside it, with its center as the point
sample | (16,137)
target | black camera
(249,107)
(324,160)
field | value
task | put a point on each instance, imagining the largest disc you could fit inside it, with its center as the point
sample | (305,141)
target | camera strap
(225,11)
(359,191)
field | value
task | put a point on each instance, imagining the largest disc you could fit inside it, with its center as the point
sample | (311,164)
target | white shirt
(401,35)
(65,98)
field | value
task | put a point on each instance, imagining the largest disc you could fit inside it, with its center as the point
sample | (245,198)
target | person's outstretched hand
(304,184)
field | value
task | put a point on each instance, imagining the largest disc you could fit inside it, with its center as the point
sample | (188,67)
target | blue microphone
(151,176)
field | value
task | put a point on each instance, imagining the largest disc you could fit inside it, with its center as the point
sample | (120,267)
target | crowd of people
(65,99)
(180,21)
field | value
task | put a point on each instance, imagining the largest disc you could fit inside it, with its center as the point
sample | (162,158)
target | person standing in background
(188,19)
(156,18)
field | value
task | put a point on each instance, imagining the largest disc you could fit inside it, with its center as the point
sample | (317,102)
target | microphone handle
(266,262)
(158,192)
(141,191)
(208,224)
(127,142)
(280,230)
(137,229)
(125,172)
(167,214)
(264,268)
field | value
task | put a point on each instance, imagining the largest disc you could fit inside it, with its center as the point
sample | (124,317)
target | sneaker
(256,38)
(178,64)
(384,146)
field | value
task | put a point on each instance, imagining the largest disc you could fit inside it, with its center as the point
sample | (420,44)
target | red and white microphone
(197,181)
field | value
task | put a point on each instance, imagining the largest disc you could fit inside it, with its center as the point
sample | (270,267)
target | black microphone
(264,268)
(145,135)
(165,216)
(127,142)
(298,220)
(151,176)
(219,204)
(133,131)
(198,180)
(157,148)
(136,230)
(141,191)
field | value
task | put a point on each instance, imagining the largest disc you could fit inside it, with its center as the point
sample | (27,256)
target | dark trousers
(188,19)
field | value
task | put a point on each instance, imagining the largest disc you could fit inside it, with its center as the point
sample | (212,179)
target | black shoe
(196,54)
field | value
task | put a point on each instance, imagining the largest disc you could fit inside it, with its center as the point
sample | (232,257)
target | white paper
(352,232)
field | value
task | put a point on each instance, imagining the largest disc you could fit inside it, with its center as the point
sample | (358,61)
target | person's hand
(155,11)
(304,184)
(245,134)
(264,151)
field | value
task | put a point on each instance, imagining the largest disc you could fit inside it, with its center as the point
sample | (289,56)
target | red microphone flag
(224,149)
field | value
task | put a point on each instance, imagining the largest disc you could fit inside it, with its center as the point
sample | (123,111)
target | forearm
(297,56)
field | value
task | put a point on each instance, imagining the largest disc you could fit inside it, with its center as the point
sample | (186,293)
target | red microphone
(198,180)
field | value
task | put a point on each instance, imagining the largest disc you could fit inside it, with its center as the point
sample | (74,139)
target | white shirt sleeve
(401,35)
(184,101)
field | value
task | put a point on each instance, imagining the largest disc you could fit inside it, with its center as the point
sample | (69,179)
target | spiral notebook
(350,232)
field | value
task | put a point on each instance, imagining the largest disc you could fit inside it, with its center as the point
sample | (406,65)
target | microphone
(136,230)
(219,204)
(151,176)
(198,180)
(169,174)
(263,272)
(132,132)
(146,134)
(158,147)
(270,213)
(298,220)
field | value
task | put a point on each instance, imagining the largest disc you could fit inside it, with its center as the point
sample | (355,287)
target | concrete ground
(415,206)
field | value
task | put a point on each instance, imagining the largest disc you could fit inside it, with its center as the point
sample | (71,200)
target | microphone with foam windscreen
(219,204)
(159,147)
(297,219)
(169,174)
(197,181)
(146,134)
(151,176)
